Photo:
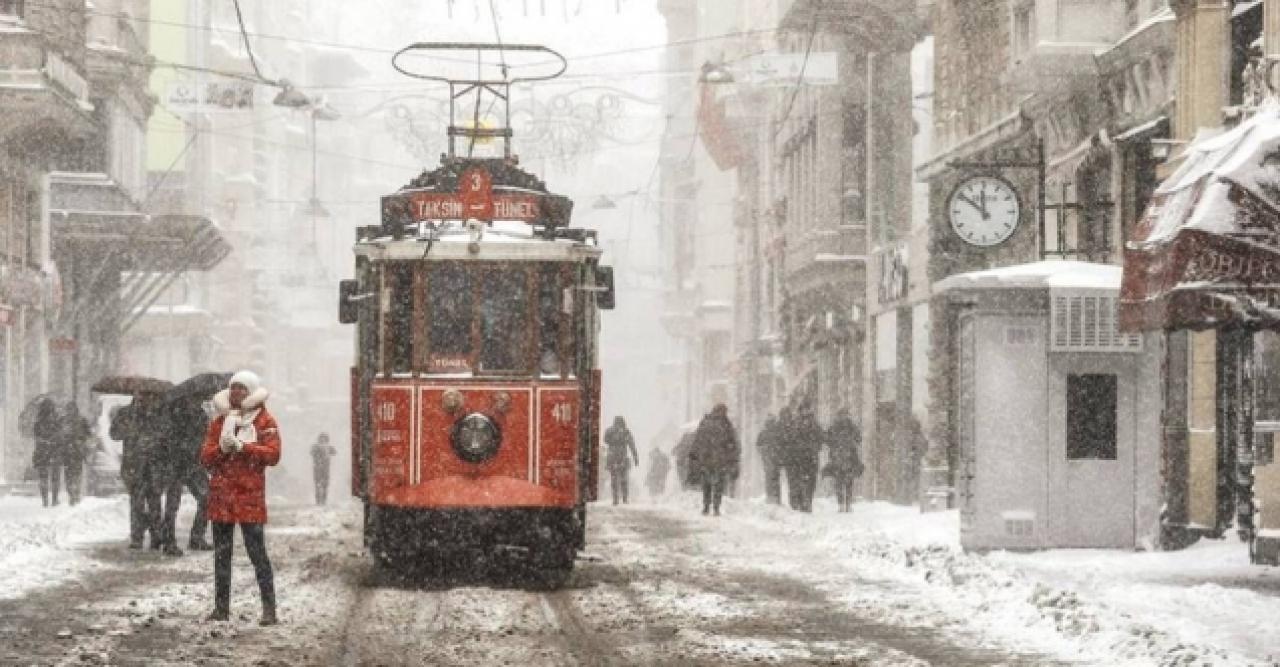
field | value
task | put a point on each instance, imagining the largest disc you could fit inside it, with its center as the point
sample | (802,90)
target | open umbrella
(131,385)
(200,386)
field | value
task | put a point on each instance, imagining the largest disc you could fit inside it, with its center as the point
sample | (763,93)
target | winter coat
(619,441)
(804,442)
(185,428)
(715,447)
(321,453)
(237,480)
(844,439)
(659,467)
(140,427)
(48,449)
(681,453)
(74,436)
(769,441)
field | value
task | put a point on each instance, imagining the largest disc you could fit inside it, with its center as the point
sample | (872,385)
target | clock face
(984,210)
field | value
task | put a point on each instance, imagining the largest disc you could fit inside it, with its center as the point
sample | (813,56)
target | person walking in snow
(804,445)
(659,468)
(75,446)
(139,426)
(47,457)
(321,453)
(715,456)
(844,439)
(179,461)
(618,458)
(239,445)
(769,444)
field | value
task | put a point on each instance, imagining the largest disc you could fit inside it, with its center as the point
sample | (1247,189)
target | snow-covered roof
(1196,196)
(1052,274)
(501,240)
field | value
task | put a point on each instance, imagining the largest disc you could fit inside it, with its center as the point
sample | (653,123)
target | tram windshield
(485,320)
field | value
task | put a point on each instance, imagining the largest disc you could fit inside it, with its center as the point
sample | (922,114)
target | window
(399,320)
(1091,416)
(11,8)
(449,305)
(551,361)
(1023,29)
(504,320)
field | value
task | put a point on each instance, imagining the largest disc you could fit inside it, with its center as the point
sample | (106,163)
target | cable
(244,34)
(795,90)
(493,14)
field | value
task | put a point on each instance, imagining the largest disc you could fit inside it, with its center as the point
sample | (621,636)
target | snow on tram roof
(501,240)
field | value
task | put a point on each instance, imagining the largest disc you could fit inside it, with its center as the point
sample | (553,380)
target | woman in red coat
(241,442)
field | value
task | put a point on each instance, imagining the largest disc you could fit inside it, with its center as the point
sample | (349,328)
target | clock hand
(982,197)
(961,196)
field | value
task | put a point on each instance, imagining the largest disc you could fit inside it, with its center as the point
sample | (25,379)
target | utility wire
(795,89)
(244,34)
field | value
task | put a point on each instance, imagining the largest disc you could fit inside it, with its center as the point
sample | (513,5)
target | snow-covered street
(659,584)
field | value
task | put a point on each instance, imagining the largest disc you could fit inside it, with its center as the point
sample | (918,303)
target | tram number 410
(386,411)
(562,413)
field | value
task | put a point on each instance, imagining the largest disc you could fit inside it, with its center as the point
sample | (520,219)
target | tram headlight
(451,401)
(475,438)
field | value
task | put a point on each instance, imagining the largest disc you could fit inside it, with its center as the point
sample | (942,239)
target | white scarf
(240,425)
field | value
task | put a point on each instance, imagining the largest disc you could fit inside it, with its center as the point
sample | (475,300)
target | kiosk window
(1091,416)
(449,306)
(504,321)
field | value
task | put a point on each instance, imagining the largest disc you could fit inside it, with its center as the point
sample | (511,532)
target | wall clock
(984,210)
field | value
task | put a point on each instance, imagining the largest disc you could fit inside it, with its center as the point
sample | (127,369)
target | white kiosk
(1057,414)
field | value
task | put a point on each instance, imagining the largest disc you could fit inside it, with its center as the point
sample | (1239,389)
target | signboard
(784,69)
(212,96)
(458,206)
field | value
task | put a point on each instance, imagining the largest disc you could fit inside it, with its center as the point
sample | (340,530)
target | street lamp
(607,202)
(292,98)
(715,73)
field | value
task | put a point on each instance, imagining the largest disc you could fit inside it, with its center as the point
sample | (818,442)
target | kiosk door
(1091,443)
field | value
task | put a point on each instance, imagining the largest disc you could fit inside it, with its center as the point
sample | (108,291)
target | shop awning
(1206,253)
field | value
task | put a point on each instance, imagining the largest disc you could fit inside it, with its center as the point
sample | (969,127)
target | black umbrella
(200,386)
(131,385)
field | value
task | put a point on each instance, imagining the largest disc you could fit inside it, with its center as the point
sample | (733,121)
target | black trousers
(255,544)
(144,505)
(48,478)
(196,481)
(713,483)
(74,474)
(773,482)
(844,489)
(802,481)
(321,477)
(618,483)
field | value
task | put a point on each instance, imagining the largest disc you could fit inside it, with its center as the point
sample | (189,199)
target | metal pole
(315,199)
(1040,172)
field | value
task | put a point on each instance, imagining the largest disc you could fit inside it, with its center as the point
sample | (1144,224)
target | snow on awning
(1050,274)
(1206,253)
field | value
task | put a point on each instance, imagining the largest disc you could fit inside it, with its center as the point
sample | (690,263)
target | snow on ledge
(1053,274)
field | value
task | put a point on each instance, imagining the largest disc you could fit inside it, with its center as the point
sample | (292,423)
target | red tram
(475,395)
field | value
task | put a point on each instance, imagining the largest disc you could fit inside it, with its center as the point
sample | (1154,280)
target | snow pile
(1043,601)
(40,546)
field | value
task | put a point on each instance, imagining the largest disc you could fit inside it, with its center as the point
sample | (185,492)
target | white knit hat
(249,379)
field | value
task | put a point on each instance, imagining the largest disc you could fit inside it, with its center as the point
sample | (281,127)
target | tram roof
(501,241)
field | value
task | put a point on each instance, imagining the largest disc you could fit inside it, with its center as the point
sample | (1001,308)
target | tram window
(399,323)
(549,319)
(449,305)
(504,321)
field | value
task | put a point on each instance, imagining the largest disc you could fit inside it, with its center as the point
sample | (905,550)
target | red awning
(1206,253)
(715,131)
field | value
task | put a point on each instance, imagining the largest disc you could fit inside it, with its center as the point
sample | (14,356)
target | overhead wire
(244,34)
(795,89)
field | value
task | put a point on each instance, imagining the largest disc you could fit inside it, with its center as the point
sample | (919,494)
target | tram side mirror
(348,308)
(604,285)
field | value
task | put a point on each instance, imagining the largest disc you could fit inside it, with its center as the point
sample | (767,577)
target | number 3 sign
(475,188)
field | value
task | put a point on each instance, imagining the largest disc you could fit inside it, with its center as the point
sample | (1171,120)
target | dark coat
(237,480)
(74,435)
(619,441)
(659,468)
(844,440)
(141,428)
(715,447)
(47,432)
(769,441)
(804,442)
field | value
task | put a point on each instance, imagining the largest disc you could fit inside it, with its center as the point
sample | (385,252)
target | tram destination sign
(456,206)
